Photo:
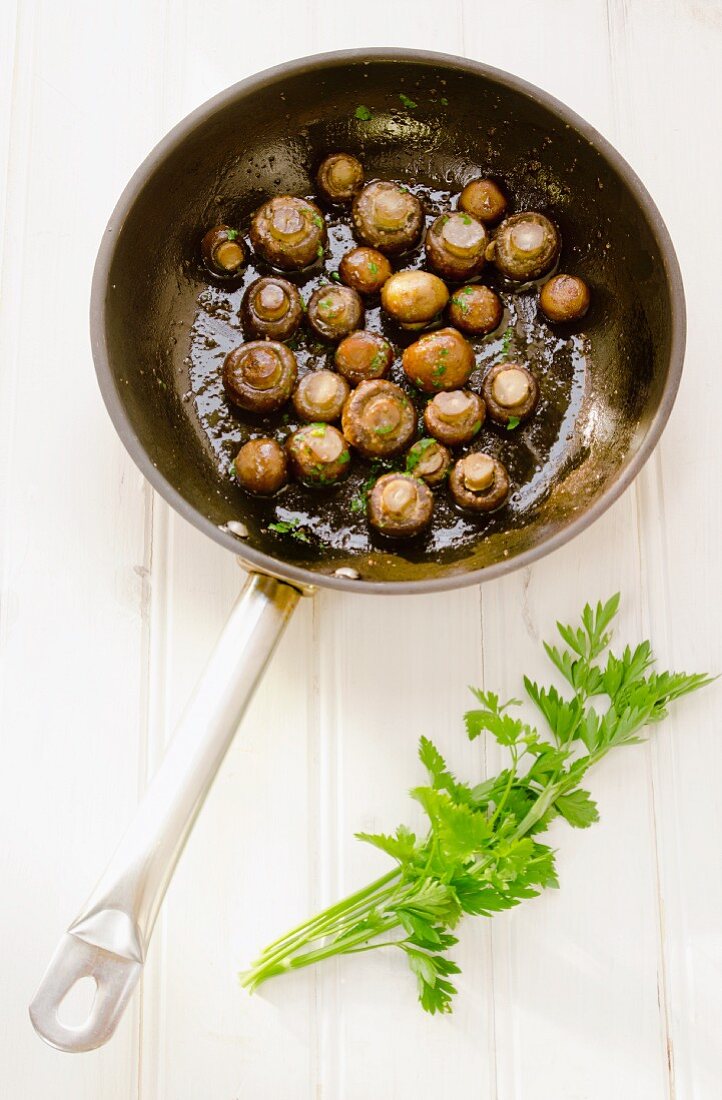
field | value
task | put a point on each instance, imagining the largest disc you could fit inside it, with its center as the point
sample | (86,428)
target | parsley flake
(362,113)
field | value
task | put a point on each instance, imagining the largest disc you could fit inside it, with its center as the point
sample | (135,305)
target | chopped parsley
(362,113)
(506,341)
(373,268)
(512,422)
(317,220)
(335,276)
(231,234)
(417,452)
(444,101)
(408,103)
(465,219)
(290,527)
(319,252)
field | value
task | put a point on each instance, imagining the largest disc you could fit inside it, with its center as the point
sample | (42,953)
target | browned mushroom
(318,455)
(511,393)
(223,251)
(387,216)
(485,200)
(429,460)
(455,245)
(288,232)
(479,482)
(564,298)
(414,298)
(259,377)
(320,395)
(475,309)
(454,417)
(365,270)
(272,308)
(363,356)
(526,246)
(261,466)
(441,360)
(378,419)
(339,177)
(400,505)
(335,311)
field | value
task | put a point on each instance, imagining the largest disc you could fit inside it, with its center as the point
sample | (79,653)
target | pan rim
(257,559)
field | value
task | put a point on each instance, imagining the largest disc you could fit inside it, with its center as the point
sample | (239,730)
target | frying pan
(264,136)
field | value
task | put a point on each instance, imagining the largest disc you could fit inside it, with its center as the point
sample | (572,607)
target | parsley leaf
(408,103)
(362,113)
(480,854)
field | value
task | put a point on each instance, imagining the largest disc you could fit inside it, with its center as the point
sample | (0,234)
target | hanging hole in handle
(76,1006)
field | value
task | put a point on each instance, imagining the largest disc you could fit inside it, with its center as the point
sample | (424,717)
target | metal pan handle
(109,938)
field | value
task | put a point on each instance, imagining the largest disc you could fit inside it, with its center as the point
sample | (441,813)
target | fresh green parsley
(408,103)
(481,853)
(362,113)
(335,276)
(231,234)
(512,422)
(444,101)
(506,342)
(319,252)
(317,221)
(417,452)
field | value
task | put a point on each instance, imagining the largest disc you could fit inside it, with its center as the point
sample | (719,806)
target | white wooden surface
(109,604)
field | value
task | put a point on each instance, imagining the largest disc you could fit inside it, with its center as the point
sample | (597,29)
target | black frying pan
(265,136)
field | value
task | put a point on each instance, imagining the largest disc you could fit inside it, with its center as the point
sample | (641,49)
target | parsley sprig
(481,854)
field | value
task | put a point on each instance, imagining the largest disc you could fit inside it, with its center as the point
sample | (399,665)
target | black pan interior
(617,371)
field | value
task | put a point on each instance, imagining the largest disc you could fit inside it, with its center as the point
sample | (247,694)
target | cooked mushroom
(223,251)
(456,245)
(475,309)
(479,482)
(414,298)
(320,395)
(454,417)
(511,393)
(363,356)
(261,466)
(272,308)
(335,311)
(526,246)
(288,232)
(365,270)
(259,377)
(388,217)
(485,200)
(429,460)
(318,455)
(564,298)
(441,360)
(378,419)
(339,177)
(400,505)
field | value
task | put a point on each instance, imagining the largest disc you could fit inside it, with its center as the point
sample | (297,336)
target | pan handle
(109,938)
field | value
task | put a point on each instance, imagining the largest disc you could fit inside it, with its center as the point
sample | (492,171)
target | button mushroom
(429,460)
(388,217)
(414,298)
(526,246)
(223,251)
(455,245)
(564,298)
(441,360)
(363,356)
(454,417)
(320,395)
(475,309)
(288,232)
(511,393)
(400,505)
(485,200)
(365,270)
(339,177)
(479,483)
(272,308)
(378,419)
(335,311)
(318,455)
(259,377)
(261,466)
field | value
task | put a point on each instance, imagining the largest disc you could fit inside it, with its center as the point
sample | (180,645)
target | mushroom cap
(261,467)
(526,246)
(479,482)
(387,216)
(378,419)
(456,245)
(335,311)
(511,392)
(320,395)
(259,376)
(564,298)
(288,232)
(439,360)
(413,298)
(339,177)
(484,199)
(400,505)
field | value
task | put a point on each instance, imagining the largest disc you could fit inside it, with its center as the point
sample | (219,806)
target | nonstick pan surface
(618,372)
